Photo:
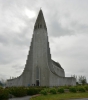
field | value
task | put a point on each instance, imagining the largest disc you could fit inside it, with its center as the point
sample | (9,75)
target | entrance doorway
(37,82)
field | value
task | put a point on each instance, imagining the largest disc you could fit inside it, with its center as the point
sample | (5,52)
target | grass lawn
(64,96)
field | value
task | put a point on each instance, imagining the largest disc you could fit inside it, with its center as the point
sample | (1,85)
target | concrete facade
(40,69)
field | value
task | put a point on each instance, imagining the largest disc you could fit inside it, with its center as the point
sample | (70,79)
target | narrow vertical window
(40,26)
(37,73)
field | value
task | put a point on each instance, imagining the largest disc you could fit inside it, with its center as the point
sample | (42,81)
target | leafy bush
(44,92)
(86,87)
(65,87)
(18,91)
(53,91)
(72,89)
(82,89)
(1,87)
(33,91)
(60,90)
(3,94)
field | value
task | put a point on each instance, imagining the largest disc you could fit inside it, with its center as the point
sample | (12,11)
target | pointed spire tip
(40,21)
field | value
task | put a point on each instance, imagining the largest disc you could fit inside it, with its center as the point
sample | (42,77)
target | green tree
(82,80)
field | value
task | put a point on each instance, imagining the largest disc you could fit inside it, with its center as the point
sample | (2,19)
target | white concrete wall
(60,72)
(61,81)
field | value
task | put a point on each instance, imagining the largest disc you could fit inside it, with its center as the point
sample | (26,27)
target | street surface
(22,98)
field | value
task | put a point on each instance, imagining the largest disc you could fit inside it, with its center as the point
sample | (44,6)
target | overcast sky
(67,24)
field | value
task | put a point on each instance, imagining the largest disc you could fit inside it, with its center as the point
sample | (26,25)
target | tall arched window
(37,72)
(40,26)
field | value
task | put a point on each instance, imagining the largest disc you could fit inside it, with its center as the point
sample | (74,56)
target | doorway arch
(37,76)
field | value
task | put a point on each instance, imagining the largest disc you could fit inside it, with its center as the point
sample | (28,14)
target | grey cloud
(17,66)
(79,28)
(2,77)
(57,30)
(4,58)
(3,39)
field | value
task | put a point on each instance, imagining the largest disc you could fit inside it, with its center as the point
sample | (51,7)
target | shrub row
(79,89)
(33,91)
(62,90)
(23,91)
(44,92)
(52,91)
(18,91)
(4,94)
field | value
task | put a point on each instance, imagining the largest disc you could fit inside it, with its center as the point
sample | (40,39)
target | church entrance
(37,76)
(37,82)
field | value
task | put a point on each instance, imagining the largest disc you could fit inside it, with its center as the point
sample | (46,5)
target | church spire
(40,22)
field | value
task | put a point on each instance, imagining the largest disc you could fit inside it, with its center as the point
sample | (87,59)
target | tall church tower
(40,69)
(39,56)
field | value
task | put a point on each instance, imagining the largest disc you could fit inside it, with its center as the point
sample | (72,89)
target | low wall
(61,81)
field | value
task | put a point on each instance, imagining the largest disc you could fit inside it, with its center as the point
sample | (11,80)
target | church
(40,69)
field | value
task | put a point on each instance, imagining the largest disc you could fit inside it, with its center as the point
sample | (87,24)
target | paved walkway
(80,99)
(28,97)
(22,98)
